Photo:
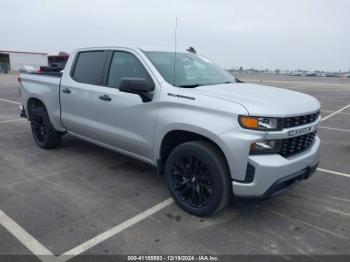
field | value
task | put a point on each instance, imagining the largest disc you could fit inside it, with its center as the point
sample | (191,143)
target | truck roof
(143,48)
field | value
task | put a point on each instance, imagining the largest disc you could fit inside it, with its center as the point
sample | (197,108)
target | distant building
(14,60)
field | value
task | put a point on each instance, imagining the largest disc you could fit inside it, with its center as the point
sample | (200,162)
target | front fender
(215,138)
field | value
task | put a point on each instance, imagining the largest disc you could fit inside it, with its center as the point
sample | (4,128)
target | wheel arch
(175,137)
(32,103)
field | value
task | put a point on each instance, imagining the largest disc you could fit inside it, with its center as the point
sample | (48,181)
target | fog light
(267,146)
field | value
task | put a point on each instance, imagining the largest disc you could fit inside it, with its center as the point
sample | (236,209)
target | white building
(14,60)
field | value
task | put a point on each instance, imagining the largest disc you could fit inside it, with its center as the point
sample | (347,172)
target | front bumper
(288,182)
(275,174)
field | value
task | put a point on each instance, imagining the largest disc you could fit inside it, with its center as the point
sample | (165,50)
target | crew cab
(212,137)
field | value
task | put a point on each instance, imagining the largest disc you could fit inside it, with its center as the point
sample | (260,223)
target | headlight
(261,123)
(264,147)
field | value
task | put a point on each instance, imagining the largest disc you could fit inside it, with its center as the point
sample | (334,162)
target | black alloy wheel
(198,178)
(44,134)
(192,181)
(39,129)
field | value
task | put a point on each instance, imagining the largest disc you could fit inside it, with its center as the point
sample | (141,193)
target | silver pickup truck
(212,136)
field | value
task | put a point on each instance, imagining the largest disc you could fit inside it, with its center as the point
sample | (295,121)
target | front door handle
(105,98)
(66,90)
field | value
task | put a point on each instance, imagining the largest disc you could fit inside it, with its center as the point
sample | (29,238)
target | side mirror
(139,86)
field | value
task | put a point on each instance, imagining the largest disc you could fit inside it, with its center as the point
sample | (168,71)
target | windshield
(191,70)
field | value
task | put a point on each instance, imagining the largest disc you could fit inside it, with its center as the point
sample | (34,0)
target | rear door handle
(66,90)
(105,98)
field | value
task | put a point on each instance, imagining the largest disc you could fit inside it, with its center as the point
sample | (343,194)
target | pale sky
(285,34)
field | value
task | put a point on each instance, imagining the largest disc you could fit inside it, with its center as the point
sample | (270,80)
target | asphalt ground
(80,199)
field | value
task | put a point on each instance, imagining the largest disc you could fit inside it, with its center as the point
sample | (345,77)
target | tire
(44,134)
(198,178)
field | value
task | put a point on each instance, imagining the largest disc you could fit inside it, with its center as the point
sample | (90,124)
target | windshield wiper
(239,81)
(196,85)
(190,86)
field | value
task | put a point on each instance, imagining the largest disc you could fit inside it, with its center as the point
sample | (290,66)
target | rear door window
(124,64)
(89,67)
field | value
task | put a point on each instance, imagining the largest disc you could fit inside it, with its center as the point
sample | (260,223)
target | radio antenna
(175,51)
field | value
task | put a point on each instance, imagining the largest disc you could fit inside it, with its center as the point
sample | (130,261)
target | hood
(262,100)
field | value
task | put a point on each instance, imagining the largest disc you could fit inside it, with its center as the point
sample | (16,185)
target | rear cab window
(89,66)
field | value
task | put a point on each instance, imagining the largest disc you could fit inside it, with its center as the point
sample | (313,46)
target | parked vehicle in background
(56,63)
(318,74)
(210,136)
(28,69)
(297,74)
(53,68)
(310,74)
(59,60)
(332,75)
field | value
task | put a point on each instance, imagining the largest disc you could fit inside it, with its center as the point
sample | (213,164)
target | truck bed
(44,87)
